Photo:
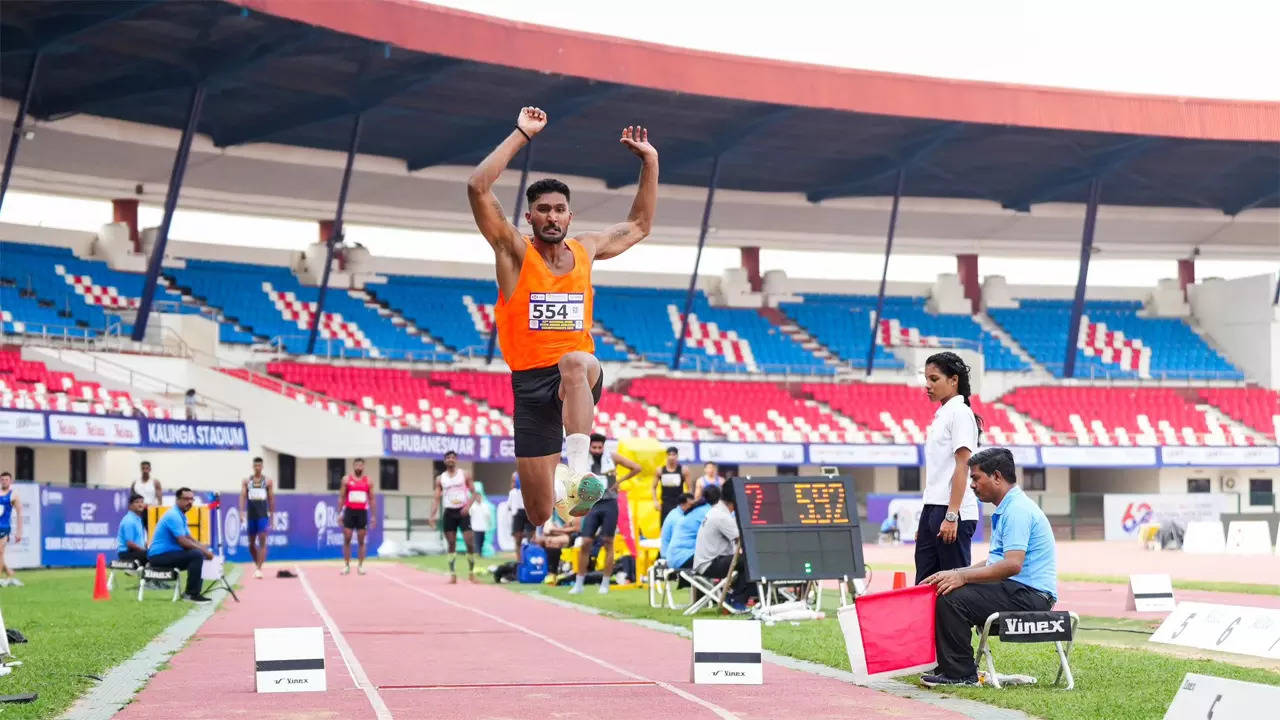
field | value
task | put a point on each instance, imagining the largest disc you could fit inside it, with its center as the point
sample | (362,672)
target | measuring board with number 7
(796,528)
(1227,628)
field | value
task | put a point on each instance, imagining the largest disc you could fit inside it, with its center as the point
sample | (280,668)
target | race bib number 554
(557,311)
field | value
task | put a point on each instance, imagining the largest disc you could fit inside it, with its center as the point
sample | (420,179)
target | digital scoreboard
(796,528)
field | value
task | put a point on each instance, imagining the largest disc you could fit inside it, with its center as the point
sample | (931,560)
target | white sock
(604,581)
(558,492)
(580,580)
(578,448)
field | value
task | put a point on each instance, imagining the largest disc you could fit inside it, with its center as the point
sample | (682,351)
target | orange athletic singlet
(546,317)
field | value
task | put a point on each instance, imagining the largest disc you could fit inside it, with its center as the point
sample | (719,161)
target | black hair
(181,490)
(994,460)
(6,473)
(544,186)
(726,493)
(952,365)
(673,449)
(598,437)
(145,462)
(447,454)
(711,494)
(132,497)
(685,497)
(360,460)
(257,459)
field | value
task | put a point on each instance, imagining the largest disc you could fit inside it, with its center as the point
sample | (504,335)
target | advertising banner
(474,448)
(304,527)
(1202,456)
(78,523)
(1123,514)
(907,508)
(1092,456)
(864,454)
(94,430)
(763,453)
(21,425)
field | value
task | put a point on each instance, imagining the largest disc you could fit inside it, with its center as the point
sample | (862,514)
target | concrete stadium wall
(1242,321)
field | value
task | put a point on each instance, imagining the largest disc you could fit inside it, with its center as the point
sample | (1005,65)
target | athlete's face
(257,468)
(672,459)
(549,216)
(146,470)
(5,481)
(450,462)
(597,448)
(358,468)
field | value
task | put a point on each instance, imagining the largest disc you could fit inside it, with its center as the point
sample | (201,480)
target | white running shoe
(346,570)
(360,570)
(580,492)
(15,582)
(258,573)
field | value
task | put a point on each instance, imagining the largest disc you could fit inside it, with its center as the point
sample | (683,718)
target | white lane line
(358,675)
(719,711)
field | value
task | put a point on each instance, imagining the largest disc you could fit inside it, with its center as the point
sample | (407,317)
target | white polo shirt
(953,427)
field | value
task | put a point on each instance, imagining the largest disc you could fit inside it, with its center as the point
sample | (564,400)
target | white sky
(1201,48)
(1225,49)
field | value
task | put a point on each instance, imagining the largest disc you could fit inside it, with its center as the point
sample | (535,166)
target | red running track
(433,650)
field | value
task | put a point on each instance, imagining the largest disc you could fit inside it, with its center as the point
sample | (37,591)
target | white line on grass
(354,667)
(719,711)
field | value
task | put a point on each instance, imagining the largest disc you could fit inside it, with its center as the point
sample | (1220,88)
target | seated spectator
(717,544)
(672,520)
(554,537)
(131,539)
(173,547)
(1020,572)
(684,539)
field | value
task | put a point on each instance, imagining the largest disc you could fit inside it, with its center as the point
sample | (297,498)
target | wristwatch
(952,517)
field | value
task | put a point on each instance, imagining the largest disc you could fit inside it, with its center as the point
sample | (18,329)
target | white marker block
(1150,593)
(1249,537)
(727,652)
(1206,696)
(289,659)
(1204,537)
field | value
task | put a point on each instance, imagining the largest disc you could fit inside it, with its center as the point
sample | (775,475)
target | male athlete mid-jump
(544,317)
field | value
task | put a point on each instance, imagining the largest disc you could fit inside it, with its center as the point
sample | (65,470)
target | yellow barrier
(199,522)
(646,521)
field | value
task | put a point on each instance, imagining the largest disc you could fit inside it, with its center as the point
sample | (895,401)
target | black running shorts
(456,519)
(353,519)
(539,412)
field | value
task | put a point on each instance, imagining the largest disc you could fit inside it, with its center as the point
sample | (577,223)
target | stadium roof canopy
(439,87)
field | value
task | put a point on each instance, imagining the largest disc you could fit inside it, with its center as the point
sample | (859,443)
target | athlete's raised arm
(486,209)
(614,240)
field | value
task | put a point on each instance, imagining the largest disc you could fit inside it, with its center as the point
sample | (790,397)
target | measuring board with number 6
(1227,628)
(796,528)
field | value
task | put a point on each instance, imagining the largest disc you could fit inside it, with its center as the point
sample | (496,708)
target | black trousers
(190,560)
(933,555)
(740,589)
(134,555)
(958,613)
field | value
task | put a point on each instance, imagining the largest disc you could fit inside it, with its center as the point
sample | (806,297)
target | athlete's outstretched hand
(531,120)
(636,139)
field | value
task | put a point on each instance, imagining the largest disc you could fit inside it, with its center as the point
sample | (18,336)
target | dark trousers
(740,589)
(190,560)
(933,555)
(138,556)
(957,613)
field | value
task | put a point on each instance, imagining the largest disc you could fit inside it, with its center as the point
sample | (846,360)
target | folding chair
(661,578)
(704,592)
(155,575)
(1055,626)
(128,567)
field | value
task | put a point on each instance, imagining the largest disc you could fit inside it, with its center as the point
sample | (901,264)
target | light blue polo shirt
(669,529)
(684,539)
(131,531)
(1020,524)
(172,526)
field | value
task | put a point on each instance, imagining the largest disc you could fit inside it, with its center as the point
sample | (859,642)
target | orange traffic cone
(899,580)
(100,591)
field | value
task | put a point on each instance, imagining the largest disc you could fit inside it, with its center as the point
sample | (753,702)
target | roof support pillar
(18,121)
(1186,274)
(125,210)
(515,222)
(335,236)
(884,272)
(697,260)
(170,204)
(751,263)
(967,271)
(1086,250)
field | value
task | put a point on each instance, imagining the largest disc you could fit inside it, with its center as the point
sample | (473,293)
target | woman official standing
(950,514)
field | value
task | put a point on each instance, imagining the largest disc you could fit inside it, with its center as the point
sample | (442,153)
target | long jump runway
(403,643)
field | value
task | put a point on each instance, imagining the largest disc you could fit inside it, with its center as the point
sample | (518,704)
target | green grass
(1111,681)
(1231,587)
(69,635)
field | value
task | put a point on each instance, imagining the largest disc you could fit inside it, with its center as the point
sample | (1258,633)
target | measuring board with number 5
(796,528)
(1227,628)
